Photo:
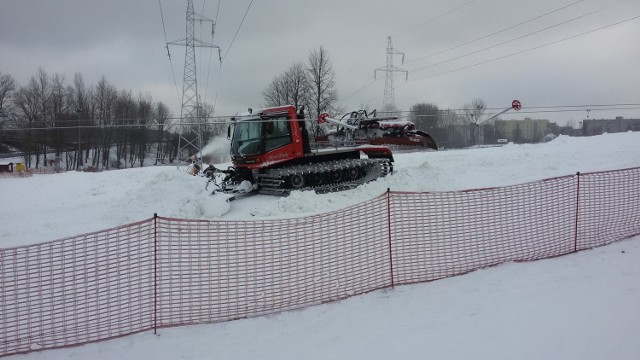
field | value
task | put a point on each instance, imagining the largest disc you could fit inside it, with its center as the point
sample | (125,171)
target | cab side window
(278,133)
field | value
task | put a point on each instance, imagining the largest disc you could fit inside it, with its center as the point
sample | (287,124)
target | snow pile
(48,207)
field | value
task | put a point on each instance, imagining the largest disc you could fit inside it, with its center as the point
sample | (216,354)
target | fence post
(575,240)
(155,273)
(389,234)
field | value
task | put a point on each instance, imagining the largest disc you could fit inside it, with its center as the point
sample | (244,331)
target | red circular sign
(322,118)
(516,105)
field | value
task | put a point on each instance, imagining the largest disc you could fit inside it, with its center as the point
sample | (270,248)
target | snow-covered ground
(582,306)
(48,207)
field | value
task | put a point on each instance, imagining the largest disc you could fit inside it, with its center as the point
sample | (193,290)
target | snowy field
(48,207)
(581,306)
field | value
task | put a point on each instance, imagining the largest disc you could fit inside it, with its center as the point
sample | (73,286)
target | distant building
(521,131)
(556,129)
(601,126)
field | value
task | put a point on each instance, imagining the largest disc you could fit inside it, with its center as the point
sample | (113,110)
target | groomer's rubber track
(323,178)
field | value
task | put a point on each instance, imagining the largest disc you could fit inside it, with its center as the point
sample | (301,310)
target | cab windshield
(246,138)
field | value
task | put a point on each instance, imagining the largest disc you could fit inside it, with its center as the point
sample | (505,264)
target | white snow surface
(48,207)
(580,306)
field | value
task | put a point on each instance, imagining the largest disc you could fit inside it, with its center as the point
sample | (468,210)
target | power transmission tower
(191,111)
(389,101)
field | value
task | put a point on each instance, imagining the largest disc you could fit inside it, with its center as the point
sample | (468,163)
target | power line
(615,106)
(518,38)
(494,33)
(237,31)
(215,22)
(527,50)
(411,29)
(486,36)
(528,112)
(166,41)
(357,91)
(211,120)
(215,99)
(433,19)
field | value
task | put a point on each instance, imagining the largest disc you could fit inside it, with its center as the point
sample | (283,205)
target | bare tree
(7,90)
(83,123)
(450,122)
(58,96)
(425,116)
(323,82)
(472,114)
(209,129)
(59,110)
(79,103)
(323,92)
(45,118)
(79,96)
(163,114)
(290,88)
(33,102)
(103,101)
(144,118)
(125,111)
(26,102)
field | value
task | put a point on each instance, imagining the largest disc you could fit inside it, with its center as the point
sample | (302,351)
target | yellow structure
(527,130)
(20,167)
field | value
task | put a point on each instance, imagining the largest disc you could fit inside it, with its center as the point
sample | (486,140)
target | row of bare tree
(74,125)
(98,126)
(452,128)
(311,85)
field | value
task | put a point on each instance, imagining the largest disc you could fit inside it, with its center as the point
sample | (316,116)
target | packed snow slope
(47,207)
(577,307)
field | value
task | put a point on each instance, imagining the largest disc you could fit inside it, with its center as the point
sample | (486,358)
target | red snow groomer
(360,128)
(271,154)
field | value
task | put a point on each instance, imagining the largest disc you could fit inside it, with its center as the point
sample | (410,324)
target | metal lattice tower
(389,101)
(190,113)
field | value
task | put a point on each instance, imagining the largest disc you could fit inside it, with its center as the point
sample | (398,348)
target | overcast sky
(450,57)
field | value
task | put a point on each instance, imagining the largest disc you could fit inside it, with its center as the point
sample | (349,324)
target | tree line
(454,128)
(49,121)
(311,85)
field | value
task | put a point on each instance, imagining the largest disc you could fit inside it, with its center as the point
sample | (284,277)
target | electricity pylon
(191,111)
(389,101)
